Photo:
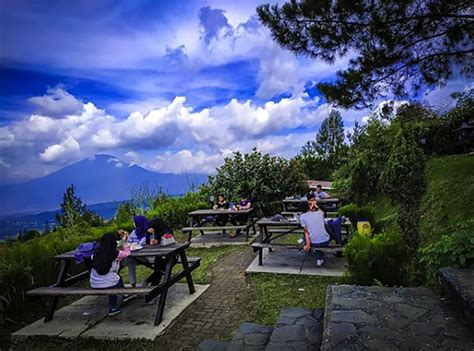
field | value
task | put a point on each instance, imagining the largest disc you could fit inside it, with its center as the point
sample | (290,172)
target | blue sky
(170,85)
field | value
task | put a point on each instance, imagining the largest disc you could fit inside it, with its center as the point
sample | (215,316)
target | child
(105,266)
(137,236)
(315,234)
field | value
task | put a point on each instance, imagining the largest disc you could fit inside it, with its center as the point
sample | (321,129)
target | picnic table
(196,222)
(175,253)
(292,205)
(271,230)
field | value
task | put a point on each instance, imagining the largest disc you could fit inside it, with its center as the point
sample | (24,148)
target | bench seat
(64,291)
(258,247)
(188,229)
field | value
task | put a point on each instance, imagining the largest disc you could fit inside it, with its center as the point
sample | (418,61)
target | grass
(274,291)
(201,275)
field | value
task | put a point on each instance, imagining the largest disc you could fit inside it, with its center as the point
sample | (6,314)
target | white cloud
(57,102)
(64,151)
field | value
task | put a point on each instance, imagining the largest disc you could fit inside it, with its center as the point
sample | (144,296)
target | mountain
(99,179)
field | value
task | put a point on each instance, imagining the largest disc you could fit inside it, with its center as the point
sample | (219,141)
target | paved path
(218,312)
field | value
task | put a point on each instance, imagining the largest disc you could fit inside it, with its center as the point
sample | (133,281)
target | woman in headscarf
(138,237)
(105,266)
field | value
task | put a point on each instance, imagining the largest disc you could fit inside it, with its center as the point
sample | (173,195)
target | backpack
(85,251)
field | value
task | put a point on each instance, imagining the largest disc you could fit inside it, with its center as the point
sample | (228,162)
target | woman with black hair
(105,266)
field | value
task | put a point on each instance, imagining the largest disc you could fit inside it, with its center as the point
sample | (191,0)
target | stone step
(212,345)
(458,286)
(380,318)
(250,337)
(297,329)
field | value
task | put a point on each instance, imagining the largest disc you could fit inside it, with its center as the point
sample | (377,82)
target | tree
(263,178)
(398,46)
(403,180)
(71,209)
(320,157)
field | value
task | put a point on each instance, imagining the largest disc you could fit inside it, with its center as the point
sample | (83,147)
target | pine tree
(396,46)
(71,209)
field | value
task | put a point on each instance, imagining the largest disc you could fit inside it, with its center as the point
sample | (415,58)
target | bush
(453,250)
(381,258)
(174,210)
(357,213)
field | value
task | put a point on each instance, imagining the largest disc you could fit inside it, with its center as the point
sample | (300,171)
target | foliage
(447,205)
(399,46)
(125,212)
(403,180)
(263,178)
(143,196)
(357,213)
(74,214)
(381,258)
(174,210)
(452,250)
(323,155)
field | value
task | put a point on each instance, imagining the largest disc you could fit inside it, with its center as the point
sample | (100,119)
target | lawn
(274,291)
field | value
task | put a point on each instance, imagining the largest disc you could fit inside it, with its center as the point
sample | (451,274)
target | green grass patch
(201,275)
(274,291)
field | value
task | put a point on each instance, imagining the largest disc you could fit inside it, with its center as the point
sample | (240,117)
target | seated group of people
(107,257)
(236,219)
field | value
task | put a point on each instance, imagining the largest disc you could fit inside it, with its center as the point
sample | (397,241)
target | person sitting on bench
(105,266)
(320,194)
(239,219)
(315,234)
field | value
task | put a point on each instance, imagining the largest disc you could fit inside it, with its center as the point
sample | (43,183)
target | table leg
(53,301)
(189,278)
(161,302)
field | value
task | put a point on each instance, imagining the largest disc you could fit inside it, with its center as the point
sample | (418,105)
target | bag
(364,228)
(85,251)
(167,239)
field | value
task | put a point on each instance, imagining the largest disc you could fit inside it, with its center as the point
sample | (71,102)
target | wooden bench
(64,291)
(258,247)
(190,230)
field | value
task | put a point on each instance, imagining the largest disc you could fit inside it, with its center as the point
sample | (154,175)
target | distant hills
(99,179)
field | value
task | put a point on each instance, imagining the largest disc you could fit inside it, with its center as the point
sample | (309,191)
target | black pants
(159,266)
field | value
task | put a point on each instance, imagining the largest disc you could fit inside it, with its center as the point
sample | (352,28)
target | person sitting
(105,266)
(157,228)
(315,234)
(320,194)
(240,219)
(137,237)
(221,204)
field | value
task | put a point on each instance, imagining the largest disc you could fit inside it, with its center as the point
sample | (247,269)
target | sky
(172,86)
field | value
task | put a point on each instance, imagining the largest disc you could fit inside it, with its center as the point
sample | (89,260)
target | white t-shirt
(314,222)
(321,195)
(107,280)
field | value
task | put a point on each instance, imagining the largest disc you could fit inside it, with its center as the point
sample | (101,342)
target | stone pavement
(379,318)
(210,239)
(87,317)
(293,261)
(218,312)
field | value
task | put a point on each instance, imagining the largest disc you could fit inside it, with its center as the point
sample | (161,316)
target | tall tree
(71,209)
(395,46)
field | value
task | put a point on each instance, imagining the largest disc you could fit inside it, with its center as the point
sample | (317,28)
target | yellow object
(364,228)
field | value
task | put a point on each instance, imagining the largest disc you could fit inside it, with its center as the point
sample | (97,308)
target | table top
(147,251)
(331,199)
(210,211)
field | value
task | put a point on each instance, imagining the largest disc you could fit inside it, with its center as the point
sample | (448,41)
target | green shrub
(174,210)
(381,258)
(357,213)
(453,250)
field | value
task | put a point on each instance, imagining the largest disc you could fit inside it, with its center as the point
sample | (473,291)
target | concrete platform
(210,239)
(292,261)
(87,317)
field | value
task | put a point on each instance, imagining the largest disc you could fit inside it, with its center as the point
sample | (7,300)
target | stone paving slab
(379,318)
(87,317)
(292,261)
(211,239)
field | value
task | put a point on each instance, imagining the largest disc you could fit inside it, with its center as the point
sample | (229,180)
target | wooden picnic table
(271,230)
(325,204)
(175,253)
(196,221)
